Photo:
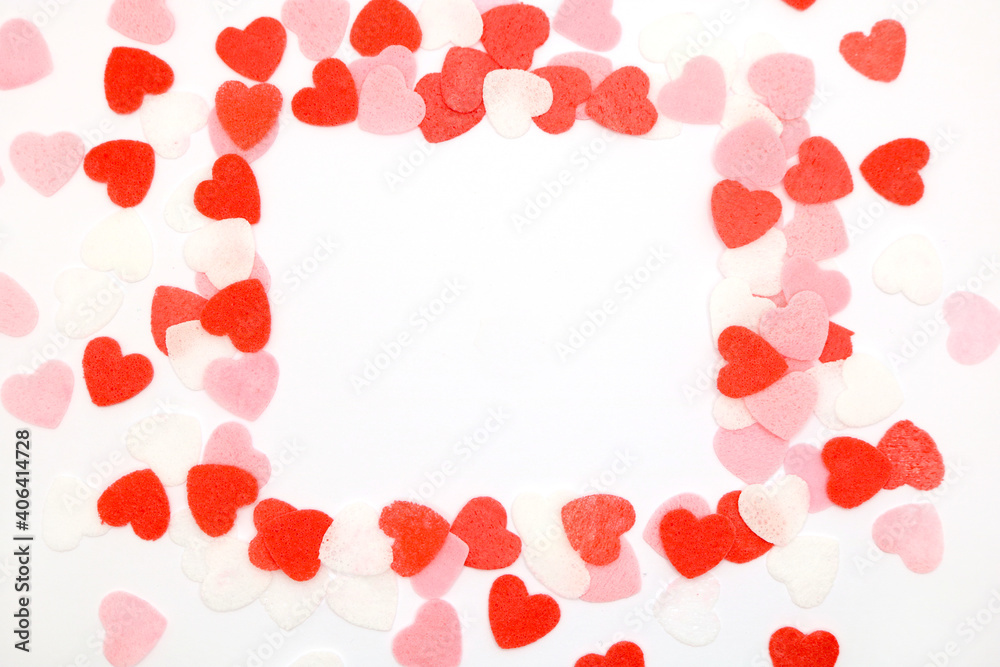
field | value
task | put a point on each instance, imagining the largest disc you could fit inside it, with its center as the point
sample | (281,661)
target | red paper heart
(137,498)
(110,377)
(621,104)
(879,56)
(511,33)
(215,492)
(462,76)
(516,618)
(570,89)
(441,122)
(594,525)
(742,216)
(265,511)
(800,5)
(754,365)
(172,305)
(334,100)
(747,545)
(247,114)
(838,344)
(822,174)
(231,193)
(130,74)
(383,23)
(126,166)
(622,654)
(694,546)
(857,471)
(255,51)
(893,170)
(914,457)
(791,648)
(482,525)
(240,311)
(419,533)
(293,540)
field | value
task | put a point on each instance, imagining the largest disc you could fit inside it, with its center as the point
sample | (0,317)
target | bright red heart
(800,5)
(215,492)
(822,174)
(419,533)
(482,525)
(231,193)
(838,344)
(383,23)
(594,525)
(694,546)
(893,170)
(880,56)
(130,74)
(172,305)
(137,498)
(791,648)
(747,545)
(255,51)
(622,654)
(462,76)
(742,216)
(516,618)
(914,457)
(240,311)
(110,377)
(441,122)
(293,540)
(857,471)
(754,365)
(570,88)
(621,103)
(265,511)
(334,100)
(511,33)
(126,166)
(247,114)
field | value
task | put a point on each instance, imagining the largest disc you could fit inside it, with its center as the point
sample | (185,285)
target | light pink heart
(231,444)
(24,55)
(806,461)
(798,330)
(132,628)
(785,406)
(691,502)
(440,575)
(786,81)
(793,133)
(259,271)
(698,96)
(753,453)
(243,386)
(597,68)
(588,23)
(913,532)
(751,154)
(320,25)
(18,312)
(396,56)
(974,326)
(146,21)
(801,274)
(816,231)
(434,639)
(223,145)
(386,105)
(40,398)
(618,580)
(46,163)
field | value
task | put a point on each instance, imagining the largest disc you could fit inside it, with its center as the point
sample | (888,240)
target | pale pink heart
(753,453)
(751,154)
(24,55)
(698,96)
(146,21)
(243,386)
(806,461)
(132,628)
(816,231)
(440,575)
(40,398)
(597,68)
(588,23)
(223,145)
(975,327)
(914,533)
(616,581)
(793,133)
(785,406)
(231,444)
(786,81)
(46,163)
(486,5)
(396,56)
(434,639)
(386,105)
(686,501)
(801,274)
(798,330)
(320,25)
(259,271)
(18,311)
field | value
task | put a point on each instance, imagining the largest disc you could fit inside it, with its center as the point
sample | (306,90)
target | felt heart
(266,511)
(126,166)
(355,544)
(215,492)
(806,461)
(743,109)
(872,392)
(751,153)
(18,311)
(880,55)
(790,647)
(838,344)
(742,216)
(77,291)
(733,304)
(817,232)
(382,23)
(758,264)
(698,96)
(686,610)
(130,74)
(146,21)
(462,76)
(570,88)
(596,66)
(974,325)
(179,212)
(191,350)
(914,456)
(807,567)
(231,444)
(333,101)
(695,546)
(137,498)
(793,133)
(70,513)
(110,377)
(258,272)
(893,170)
(434,639)
(800,329)
(456,21)
(801,274)
(692,502)
(386,105)
(616,581)
(232,192)
(368,602)
(255,51)
(910,266)
(663,40)
(132,628)
(753,364)
(320,25)
(169,446)
(914,533)
(231,581)
(24,55)
(594,525)
(545,547)
(752,453)
(172,305)
(419,531)
(441,122)
(46,163)
(778,511)
(119,243)
(482,524)
(747,545)
(240,311)
(40,398)
(511,33)
(588,23)
(247,114)
(621,103)
(224,251)
(512,98)
(516,618)
(786,81)
(435,580)
(857,471)
(290,603)
(395,56)
(223,144)
(620,654)
(169,120)
(293,540)
(731,414)
(822,174)
(243,386)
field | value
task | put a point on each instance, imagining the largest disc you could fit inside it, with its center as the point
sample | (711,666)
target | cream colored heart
(180,213)
(830,381)
(169,444)
(665,128)
(872,392)
(354,543)
(88,300)
(911,267)
(169,120)
(70,513)
(231,580)
(120,243)
(731,413)
(367,602)
(184,532)
(290,603)
(721,50)
(758,264)
(807,567)
(732,304)
(776,511)
(667,38)
(545,547)
(449,21)
(755,47)
(512,97)
(686,610)
(191,349)
(223,251)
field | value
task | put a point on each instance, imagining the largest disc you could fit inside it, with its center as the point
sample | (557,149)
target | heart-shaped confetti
(223,144)
(231,582)
(367,602)
(691,502)
(169,120)
(434,639)
(386,105)
(872,392)
(747,545)
(751,453)
(620,654)
(130,74)
(621,103)
(355,544)
(914,533)
(240,311)
(224,251)
(264,512)
(247,114)
(88,300)
(441,122)
(482,525)
(806,462)
(698,96)
(293,540)
(807,566)
(786,83)
(776,512)
(40,398)
(254,52)
(754,364)
(333,100)
(570,88)
(18,311)
(817,231)
(46,163)
(752,154)
(435,580)
(139,499)
(231,193)
(822,174)
(893,170)
(880,55)
(449,21)
(462,75)
(618,580)
(789,647)
(686,610)
(66,519)
(694,546)
(545,547)
(911,267)
(169,447)
(588,23)
(192,350)
(419,531)
(914,456)
(741,216)
(594,525)
(132,628)
(759,264)
(110,377)
(231,444)
(974,325)
(801,274)
(512,98)
(516,618)
(857,471)
(120,243)
(383,23)
(24,55)
(733,304)
(215,492)
(146,21)
(320,25)
(242,386)
(126,166)
(512,33)
(798,330)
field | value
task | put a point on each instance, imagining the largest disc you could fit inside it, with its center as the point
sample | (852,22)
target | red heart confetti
(441,122)
(838,344)
(694,546)
(516,618)
(621,104)
(594,525)
(747,545)
(172,305)
(754,365)
(857,471)
(265,511)
(333,101)
(792,648)
(482,525)
(130,74)
(419,532)
(215,492)
(383,23)
(231,193)
(914,456)
(240,311)
(879,56)
(137,498)
(110,377)
(247,114)
(126,166)
(570,89)
(511,33)
(622,654)
(893,170)
(822,174)
(293,540)
(742,216)
(254,52)
(462,76)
